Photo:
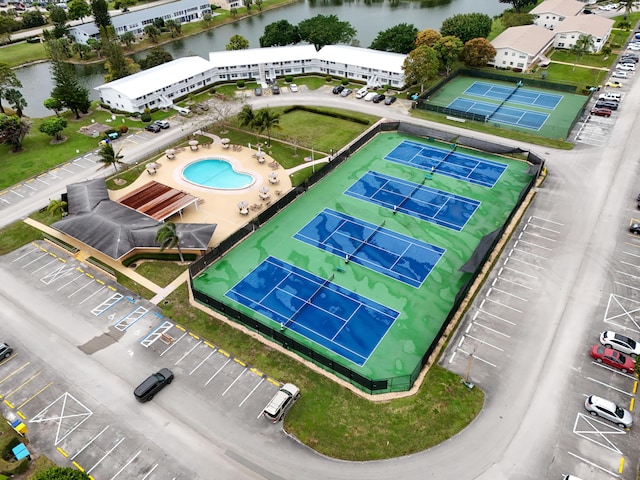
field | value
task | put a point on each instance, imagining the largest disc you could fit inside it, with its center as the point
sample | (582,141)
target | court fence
(372,386)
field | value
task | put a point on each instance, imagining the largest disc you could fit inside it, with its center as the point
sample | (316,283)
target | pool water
(216,173)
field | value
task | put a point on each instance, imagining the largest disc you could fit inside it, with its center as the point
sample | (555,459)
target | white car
(620,74)
(293,87)
(604,408)
(626,67)
(620,342)
(634,47)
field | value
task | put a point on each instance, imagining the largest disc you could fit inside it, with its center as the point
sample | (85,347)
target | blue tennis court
(448,162)
(346,323)
(523,96)
(503,114)
(385,251)
(434,206)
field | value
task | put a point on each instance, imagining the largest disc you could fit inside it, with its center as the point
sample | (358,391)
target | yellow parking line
(14,372)
(621,467)
(180,328)
(8,403)
(19,387)
(240,362)
(19,413)
(62,452)
(256,371)
(77,465)
(275,382)
(209,344)
(224,353)
(35,395)
(635,386)
(633,401)
(194,336)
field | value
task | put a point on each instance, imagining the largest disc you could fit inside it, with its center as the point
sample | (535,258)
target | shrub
(288,78)
(240,83)
(146,116)
(328,78)
(122,129)
(345,81)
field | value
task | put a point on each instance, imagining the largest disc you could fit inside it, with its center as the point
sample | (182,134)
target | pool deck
(217,206)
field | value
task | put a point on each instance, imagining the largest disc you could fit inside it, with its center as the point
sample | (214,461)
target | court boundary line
(496,86)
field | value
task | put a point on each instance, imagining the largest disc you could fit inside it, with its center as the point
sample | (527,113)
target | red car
(601,112)
(611,357)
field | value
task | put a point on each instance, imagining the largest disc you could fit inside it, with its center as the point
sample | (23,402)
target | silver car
(621,343)
(604,408)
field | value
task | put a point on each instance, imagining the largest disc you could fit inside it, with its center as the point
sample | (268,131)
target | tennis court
(502,114)
(415,199)
(382,250)
(346,323)
(448,162)
(523,96)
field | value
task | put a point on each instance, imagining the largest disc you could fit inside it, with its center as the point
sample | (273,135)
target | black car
(389,100)
(275,89)
(629,57)
(152,127)
(609,105)
(5,350)
(635,228)
(338,89)
(258,92)
(153,384)
(378,98)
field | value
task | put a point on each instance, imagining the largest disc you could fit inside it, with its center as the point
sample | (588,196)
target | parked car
(257,92)
(620,74)
(346,92)
(628,57)
(612,358)
(281,402)
(293,87)
(275,89)
(613,84)
(389,100)
(610,97)
(607,104)
(338,89)
(635,228)
(601,112)
(379,98)
(5,350)
(152,127)
(362,92)
(153,384)
(370,96)
(626,67)
(620,342)
(604,408)
(162,123)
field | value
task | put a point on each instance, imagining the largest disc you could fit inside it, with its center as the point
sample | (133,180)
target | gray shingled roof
(114,229)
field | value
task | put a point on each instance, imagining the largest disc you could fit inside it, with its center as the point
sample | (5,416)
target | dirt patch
(94,130)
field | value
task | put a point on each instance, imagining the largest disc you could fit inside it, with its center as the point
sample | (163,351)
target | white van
(281,402)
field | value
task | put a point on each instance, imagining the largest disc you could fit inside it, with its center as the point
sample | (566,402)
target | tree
(33,19)
(109,157)
(8,79)
(174,27)
(81,49)
(60,473)
(57,208)
(258,4)
(16,100)
(158,22)
(420,66)
(167,236)
(128,38)
(427,37)
(518,5)
(398,39)
(477,52)
(279,34)
(448,50)
(237,42)
(157,56)
(267,119)
(53,104)
(53,127)
(95,45)
(152,32)
(117,65)
(100,10)
(466,26)
(58,17)
(247,4)
(13,130)
(247,118)
(584,44)
(68,90)
(627,6)
(78,9)
(233,12)
(324,30)
(207,17)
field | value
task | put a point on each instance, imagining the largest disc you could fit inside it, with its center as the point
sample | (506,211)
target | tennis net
(444,159)
(306,302)
(518,85)
(366,240)
(397,207)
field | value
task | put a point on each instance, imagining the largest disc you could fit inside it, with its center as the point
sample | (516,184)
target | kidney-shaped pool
(216,173)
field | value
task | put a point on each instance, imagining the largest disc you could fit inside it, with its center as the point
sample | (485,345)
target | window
(561,45)
(520,65)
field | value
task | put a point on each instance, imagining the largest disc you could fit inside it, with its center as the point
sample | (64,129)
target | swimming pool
(216,173)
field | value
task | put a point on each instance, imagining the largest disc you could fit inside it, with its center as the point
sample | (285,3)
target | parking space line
(536,235)
(23,384)
(593,464)
(533,265)
(630,264)
(545,220)
(217,372)
(34,395)
(632,254)
(632,404)
(627,274)
(150,471)
(497,317)
(510,294)
(485,343)
(13,373)
(93,439)
(527,253)
(107,453)
(173,343)
(626,286)
(607,367)
(531,244)
(202,362)
(126,464)
(503,305)
(27,253)
(34,260)
(90,282)
(186,354)
(491,329)
(518,271)
(251,392)
(478,358)
(591,421)
(44,266)
(610,386)
(93,294)
(234,382)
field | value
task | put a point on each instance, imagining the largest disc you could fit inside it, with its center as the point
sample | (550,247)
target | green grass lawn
(20,53)
(579,76)
(589,60)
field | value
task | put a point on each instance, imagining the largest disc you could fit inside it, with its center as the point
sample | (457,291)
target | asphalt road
(523,431)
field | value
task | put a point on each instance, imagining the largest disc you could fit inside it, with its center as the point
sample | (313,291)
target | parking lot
(64,420)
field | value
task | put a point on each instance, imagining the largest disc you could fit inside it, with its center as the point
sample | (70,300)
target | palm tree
(247,118)
(627,5)
(57,207)
(167,236)
(584,44)
(109,157)
(267,119)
